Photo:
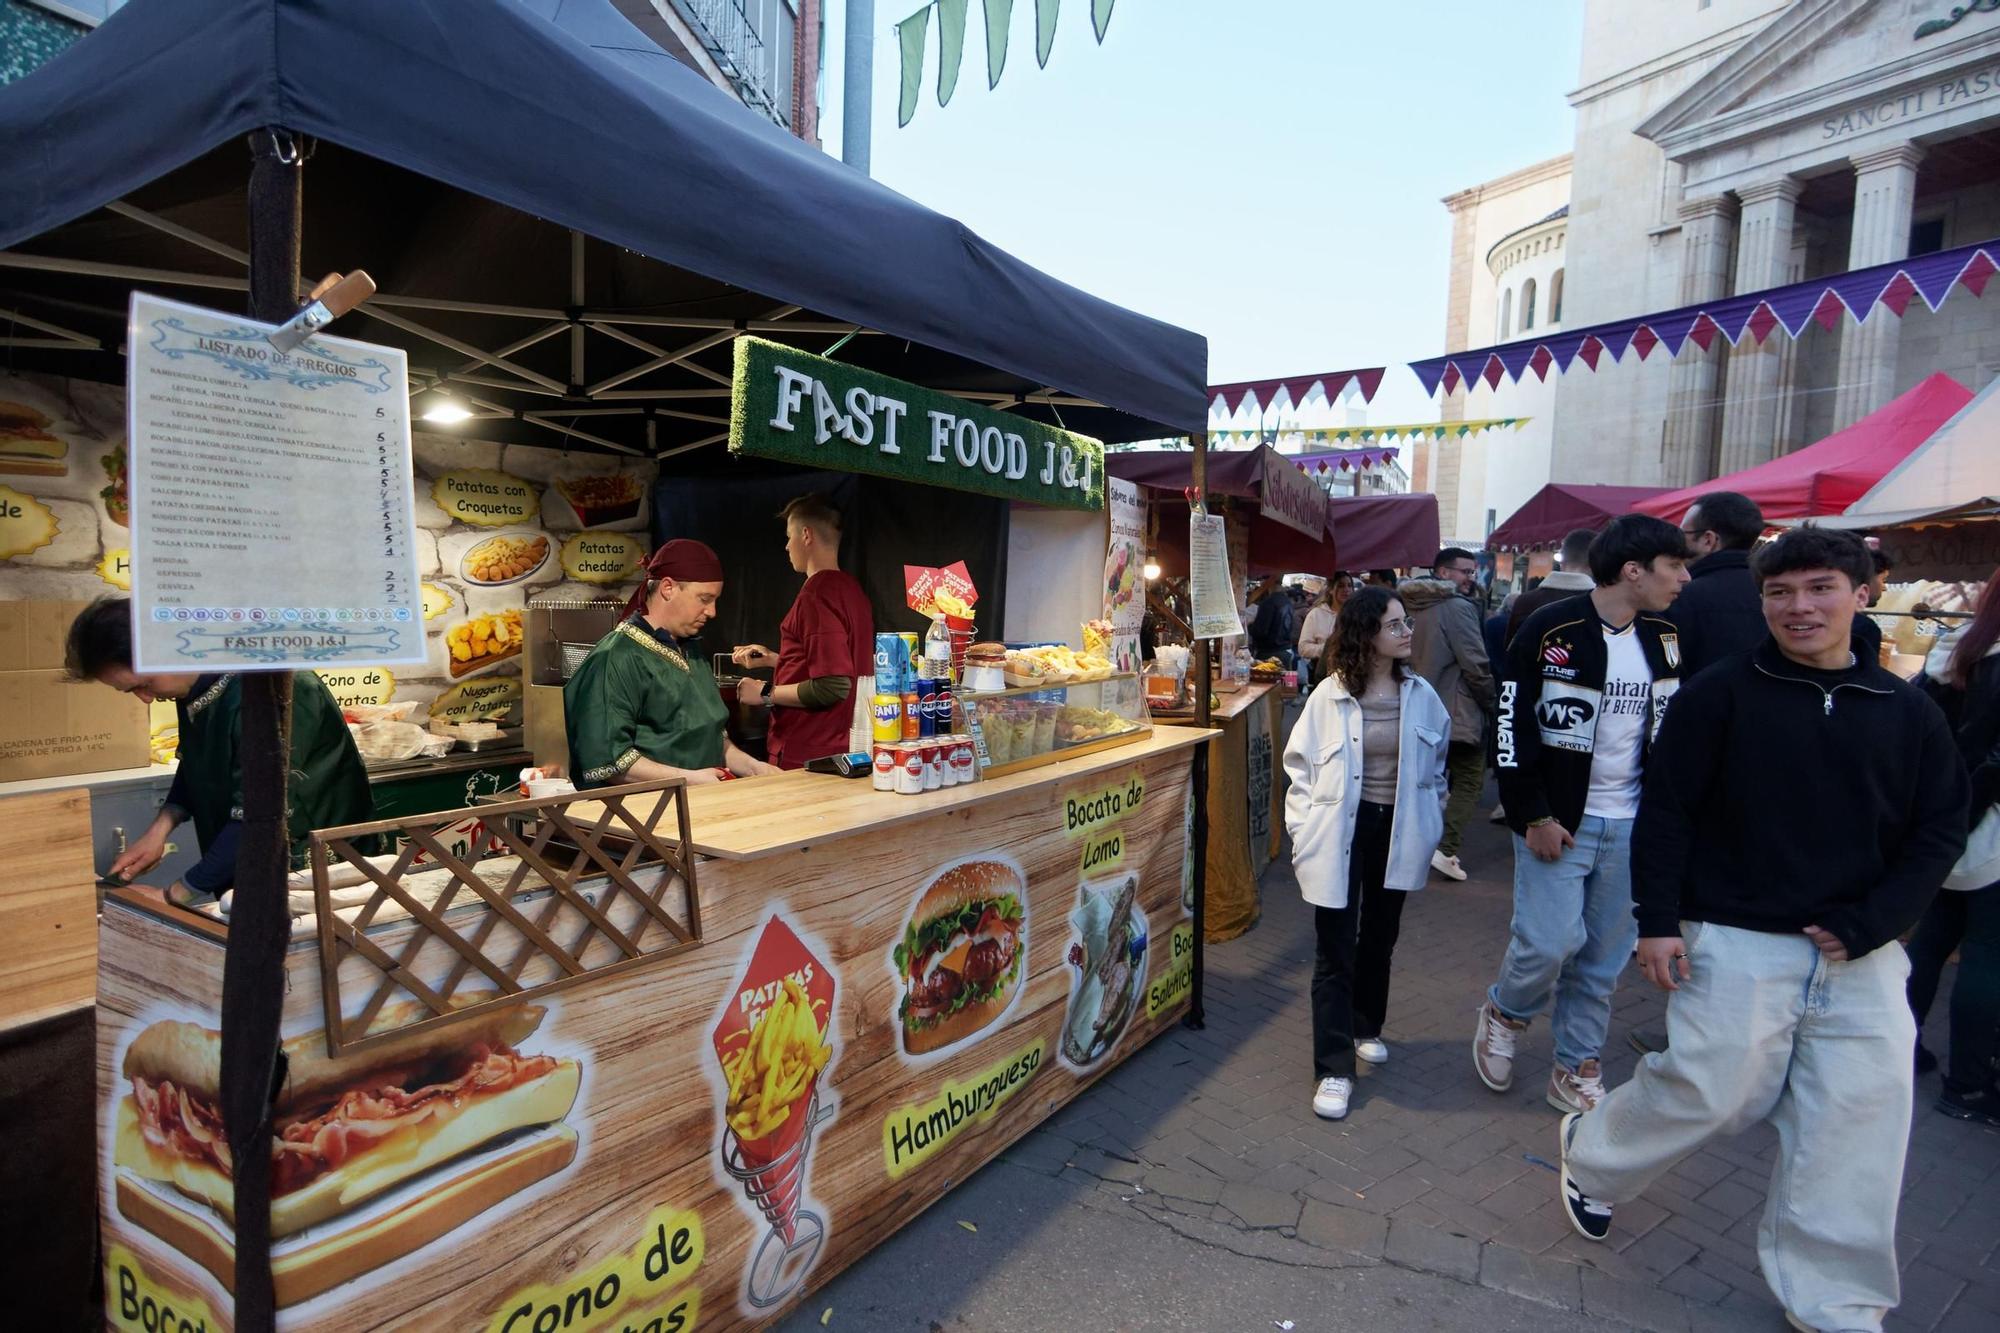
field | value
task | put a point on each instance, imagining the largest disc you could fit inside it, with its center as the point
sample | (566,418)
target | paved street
(1432,1206)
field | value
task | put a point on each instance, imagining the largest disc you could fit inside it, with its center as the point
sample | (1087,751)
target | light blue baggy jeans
(1767,1028)
(1573,932)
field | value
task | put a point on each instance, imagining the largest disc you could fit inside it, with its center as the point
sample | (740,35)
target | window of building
(1926,236)
(1556,298)
(1527,305)
(1506,315)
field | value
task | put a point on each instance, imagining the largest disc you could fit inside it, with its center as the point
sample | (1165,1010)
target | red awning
(1384,531)
(1827,477)
(1557,510)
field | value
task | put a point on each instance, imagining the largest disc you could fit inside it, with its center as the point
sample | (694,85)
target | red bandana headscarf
(683,560)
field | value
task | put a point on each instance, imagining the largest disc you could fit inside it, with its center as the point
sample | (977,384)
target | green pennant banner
(1100,17)
(1045,29)
(910,35)
(951,46)
(999,14)
(804,409)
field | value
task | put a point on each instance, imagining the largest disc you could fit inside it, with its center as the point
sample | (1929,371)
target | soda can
(912,716)
(947,720)
(891,657)
(933,766)
(885,765)
(947,744)
(909,769)
(965,758)
(912,654)
(888,711)
(926,708)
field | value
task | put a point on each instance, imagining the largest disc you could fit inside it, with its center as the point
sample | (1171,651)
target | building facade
(1509,279)
(1726,146)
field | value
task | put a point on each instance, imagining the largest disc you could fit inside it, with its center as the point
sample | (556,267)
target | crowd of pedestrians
(1708,774)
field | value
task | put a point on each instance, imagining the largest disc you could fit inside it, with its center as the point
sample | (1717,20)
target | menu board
(1210,584)
(271,508)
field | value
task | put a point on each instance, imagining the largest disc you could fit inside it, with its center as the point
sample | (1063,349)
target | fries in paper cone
(773,1046)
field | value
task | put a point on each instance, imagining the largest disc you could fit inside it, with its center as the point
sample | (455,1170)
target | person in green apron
(328,786)
(644,704)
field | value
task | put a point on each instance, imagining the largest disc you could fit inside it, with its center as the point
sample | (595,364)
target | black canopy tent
(564,220)
(568,228)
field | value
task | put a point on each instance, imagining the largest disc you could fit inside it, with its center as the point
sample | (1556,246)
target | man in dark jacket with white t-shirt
(1801,808)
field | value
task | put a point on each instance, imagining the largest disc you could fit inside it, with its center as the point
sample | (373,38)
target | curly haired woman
(1365,810)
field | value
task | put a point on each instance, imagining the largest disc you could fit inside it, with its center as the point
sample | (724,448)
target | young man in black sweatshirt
(1801,807)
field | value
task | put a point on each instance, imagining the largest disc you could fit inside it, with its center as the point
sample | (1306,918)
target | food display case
(1017,729)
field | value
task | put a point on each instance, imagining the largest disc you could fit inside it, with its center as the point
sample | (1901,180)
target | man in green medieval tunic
(644,704)
(328,785)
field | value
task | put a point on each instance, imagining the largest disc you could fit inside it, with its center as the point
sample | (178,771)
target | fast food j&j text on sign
(799,408)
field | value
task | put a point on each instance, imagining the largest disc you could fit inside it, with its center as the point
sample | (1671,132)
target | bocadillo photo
(461,1107)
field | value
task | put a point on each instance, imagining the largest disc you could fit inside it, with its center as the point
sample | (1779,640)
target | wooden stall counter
(655,1058)
(1245,802)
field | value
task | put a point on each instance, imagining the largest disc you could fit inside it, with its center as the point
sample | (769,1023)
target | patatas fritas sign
(799,408)
(645,1176)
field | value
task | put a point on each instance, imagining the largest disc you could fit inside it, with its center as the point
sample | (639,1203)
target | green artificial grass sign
(799,408)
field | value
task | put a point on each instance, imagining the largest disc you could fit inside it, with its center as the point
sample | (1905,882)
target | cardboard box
(51,726)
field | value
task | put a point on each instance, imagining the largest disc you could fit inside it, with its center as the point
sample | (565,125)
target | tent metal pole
(253,973)
(463,348)
(576,331)
(90,268)
(176,230)
(1196,1014)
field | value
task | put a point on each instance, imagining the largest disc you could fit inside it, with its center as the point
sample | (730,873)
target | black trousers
(1350,981)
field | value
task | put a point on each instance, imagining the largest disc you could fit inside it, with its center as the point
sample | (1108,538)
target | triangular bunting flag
(999,14)
(1977,270)
(1761,322)
(1644,340)
(1045,29)
(1540,363)
(1898,294)
(1703,333)
(1492,372)
(1587,352)
(910,35)
(1828,311)
(951,46)
(1100,17)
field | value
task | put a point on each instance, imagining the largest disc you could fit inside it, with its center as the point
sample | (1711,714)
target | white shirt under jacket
(1323,762)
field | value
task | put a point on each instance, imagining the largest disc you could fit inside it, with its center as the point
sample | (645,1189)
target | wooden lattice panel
(539,900)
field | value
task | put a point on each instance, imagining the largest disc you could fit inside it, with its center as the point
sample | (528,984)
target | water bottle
(937,650)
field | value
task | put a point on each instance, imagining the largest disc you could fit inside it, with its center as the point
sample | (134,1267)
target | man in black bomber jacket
(1801,808)
(1588,680)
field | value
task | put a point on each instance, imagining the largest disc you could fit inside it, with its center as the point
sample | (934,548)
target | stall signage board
(1212,589)
(799,408)
(1289,496)
(273,518)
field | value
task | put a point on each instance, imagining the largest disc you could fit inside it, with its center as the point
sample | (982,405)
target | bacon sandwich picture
(26,445)
(374,1154)
(962,953)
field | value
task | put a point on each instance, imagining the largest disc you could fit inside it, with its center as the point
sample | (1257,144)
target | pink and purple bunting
(1893,286)
(1333,383)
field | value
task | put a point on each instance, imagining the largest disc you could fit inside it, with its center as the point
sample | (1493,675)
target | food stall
(637,1056)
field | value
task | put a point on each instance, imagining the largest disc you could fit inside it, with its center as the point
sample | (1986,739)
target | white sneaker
(1447,866)
(1372,1049)
(1493,1048)
(1330,1100)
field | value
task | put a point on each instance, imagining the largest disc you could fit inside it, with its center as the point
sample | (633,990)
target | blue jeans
(1573,932)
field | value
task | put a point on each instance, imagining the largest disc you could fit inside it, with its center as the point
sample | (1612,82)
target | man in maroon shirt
(825,643)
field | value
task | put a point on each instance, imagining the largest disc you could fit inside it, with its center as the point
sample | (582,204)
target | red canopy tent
(1827,477)
(1558,509)
(1274,547)
(1384,531)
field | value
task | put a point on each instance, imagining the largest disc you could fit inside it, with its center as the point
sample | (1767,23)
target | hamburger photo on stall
(375,1153)
(962,954)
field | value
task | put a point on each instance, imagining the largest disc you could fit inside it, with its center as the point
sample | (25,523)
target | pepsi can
(927,712)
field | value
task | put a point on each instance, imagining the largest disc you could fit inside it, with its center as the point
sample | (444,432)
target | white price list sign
(273,518)
(1210,585)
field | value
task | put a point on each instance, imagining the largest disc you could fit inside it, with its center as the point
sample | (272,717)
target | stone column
(1885,187)
(1707,234)
(1759,377)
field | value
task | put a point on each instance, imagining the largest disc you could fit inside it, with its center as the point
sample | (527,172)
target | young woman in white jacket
(1365,810)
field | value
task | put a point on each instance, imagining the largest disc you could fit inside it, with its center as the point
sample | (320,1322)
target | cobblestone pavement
(1210,1135)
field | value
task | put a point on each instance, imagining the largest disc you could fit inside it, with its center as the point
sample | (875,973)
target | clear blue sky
(1264,172)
